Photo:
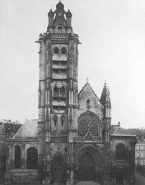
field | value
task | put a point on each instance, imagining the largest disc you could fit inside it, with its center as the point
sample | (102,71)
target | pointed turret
(50,18)
(106,102)
(68,18)
(104,95)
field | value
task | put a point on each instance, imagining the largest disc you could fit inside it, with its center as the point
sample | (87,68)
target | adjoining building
(72,140)
(3,155)
(140,152)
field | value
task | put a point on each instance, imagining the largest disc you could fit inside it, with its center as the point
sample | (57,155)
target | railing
(55,103)
(59,76)
(59,35)
(57,66)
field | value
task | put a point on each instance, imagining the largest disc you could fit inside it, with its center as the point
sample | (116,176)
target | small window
(59,29)
(137,147)
(62,120)
(56,50)
(55,119)
(88,104)
(137,154)
(63,51)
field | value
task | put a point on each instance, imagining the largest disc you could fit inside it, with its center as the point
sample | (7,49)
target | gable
(87,94)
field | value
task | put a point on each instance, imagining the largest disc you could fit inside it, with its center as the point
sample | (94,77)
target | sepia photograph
(72,96)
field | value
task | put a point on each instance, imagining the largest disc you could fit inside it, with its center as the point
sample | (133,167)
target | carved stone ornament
(48,52)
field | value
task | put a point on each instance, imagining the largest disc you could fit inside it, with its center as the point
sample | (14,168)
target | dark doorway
(17,156)
(119,178)
(86,168)
(57,171)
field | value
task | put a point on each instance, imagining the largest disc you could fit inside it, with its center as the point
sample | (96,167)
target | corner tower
(58,85)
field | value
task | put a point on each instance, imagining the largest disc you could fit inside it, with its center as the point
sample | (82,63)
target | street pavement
(139,179)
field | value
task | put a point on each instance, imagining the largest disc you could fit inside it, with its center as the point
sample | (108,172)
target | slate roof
(122,132)
(11,127)
(28,130)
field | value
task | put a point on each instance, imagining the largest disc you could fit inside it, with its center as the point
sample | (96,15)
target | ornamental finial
(87,80)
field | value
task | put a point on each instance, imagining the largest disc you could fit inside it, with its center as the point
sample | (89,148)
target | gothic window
(17,156)
(120,151)
(55,120)
(56,50)
(62,120)
(63,51)
(88,121)
(32,157)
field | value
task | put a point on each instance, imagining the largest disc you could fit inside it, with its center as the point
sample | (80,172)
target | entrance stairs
(87,183)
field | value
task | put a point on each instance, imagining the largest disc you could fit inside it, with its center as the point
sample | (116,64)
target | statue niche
(59,91)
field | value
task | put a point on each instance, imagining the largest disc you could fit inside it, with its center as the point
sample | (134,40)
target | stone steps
(87,183)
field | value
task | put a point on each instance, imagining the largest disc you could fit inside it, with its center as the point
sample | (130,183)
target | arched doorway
(58,174)
(86,168)
(119,177)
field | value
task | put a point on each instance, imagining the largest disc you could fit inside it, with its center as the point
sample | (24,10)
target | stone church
(72,141)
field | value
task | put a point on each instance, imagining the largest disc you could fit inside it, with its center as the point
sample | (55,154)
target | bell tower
(58,85)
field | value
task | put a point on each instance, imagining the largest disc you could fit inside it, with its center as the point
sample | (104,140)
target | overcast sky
(112,33)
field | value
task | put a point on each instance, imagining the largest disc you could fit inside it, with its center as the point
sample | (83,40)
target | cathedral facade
(73,139)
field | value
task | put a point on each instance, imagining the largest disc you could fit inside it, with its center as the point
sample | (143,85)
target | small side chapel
(73,140)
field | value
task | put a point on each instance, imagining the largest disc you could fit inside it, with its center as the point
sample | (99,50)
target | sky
(112,34)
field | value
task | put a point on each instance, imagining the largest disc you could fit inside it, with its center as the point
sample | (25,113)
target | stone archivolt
(88,148)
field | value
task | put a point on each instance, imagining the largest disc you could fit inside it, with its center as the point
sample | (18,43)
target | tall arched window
(62,120)
(17,156)
(55,120)
(88,104)
(63,51)
(56,50)
(32,158)
(120,151)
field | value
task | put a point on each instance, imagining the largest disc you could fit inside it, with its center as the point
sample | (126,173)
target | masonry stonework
(73,139)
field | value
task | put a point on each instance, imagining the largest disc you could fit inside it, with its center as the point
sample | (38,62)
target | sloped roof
(121,132)
(28,130)
(87,85)
(11,127)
